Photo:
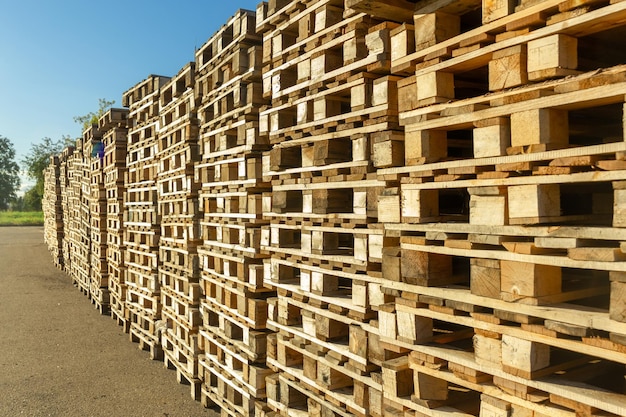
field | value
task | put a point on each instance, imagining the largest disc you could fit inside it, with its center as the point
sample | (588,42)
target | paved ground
(59,357)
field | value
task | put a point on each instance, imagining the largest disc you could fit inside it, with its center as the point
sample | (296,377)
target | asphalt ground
(60,357)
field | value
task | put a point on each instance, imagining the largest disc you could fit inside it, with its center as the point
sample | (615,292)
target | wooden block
(287,356)
(327,328)
(427,387)
(492,137)
(354,49)
(485,278)
(397,11)
(389,209)
(326,16)
(529,280)
(290,396)
(391,265)
(402,41)
(397,377)
(539,126)
(385,92)
(487,350)
(552,52)
(358,340)
(332,201)
(325,107)
(375,400)
(324,284)
(619,206)
(332,151)
(331,378)
(523,355)
(388,154)
(407,94)
(387,321)
(489,210)
(534,201)
(507,68)
(436,86)
(426,269)
(414,329)
(283,158)
(495,9)
(421,146)
(617,309)
(419,206)
(432,28)
(309,367)
(493,407)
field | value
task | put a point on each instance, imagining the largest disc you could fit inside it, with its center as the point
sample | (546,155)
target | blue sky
(57,58)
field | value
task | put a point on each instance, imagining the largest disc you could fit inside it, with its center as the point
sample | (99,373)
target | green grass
(21,218)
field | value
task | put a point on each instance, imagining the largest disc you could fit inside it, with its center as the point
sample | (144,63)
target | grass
(21,218)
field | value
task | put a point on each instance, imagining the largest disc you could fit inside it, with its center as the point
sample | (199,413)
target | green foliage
(21,218)
(9,173)
(35,162)
(91,117)
(32,199)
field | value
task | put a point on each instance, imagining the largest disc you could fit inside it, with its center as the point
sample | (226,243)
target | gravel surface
(60,357)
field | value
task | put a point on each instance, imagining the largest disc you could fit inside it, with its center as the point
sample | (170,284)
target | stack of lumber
(177,193)
(233,306)
(503,240)
(332,122)
(65,185)
(113,125)
(142,227)
(53,211)
(99,285)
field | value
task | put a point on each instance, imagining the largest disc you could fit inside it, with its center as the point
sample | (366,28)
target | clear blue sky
(57,58)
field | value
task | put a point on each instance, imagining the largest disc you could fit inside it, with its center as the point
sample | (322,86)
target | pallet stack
(142,228)
(398,209)
(74,173)
(504,234)
(113,125)
(81,233)
(65,184)
(51,205)
(332,122)
(177,192)
(233,305)
(93,149)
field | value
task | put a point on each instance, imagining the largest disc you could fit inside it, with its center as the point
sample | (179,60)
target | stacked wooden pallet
(505,230)
(332,122)
(233,306)
(65,184)
(95,197)
(179,273)
(74,174)
(113,125)
(53,211)
(142,223)
(81,224)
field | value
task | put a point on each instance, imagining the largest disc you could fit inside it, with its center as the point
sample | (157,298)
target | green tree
(91,117)
(36,161)
(9,173)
